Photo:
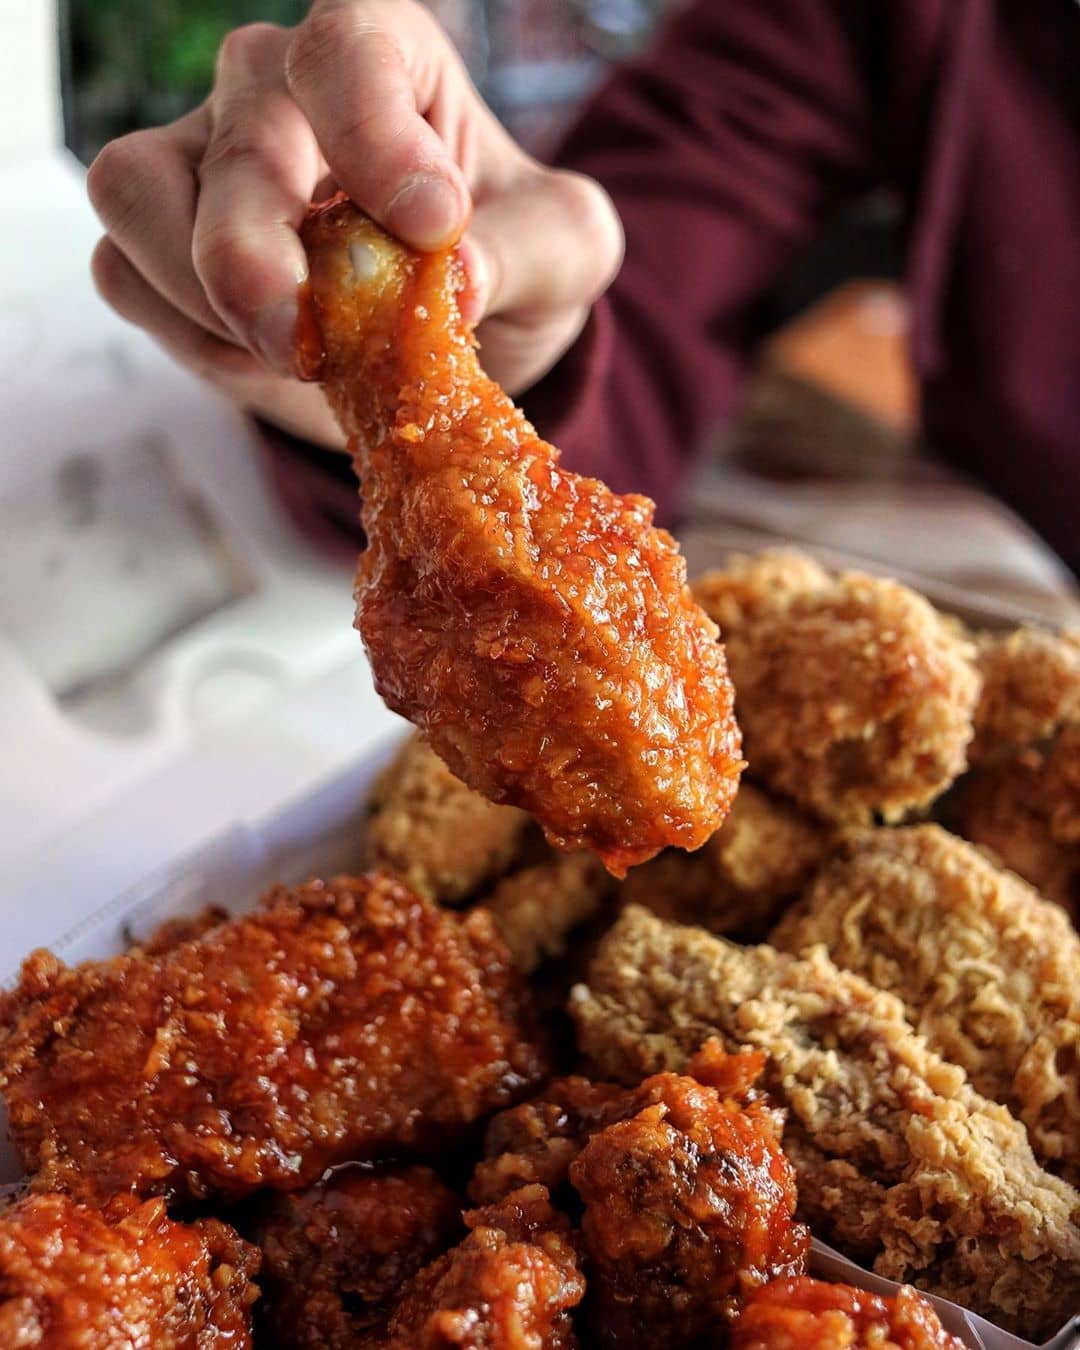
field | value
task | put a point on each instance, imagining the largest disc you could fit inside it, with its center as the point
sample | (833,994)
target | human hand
(201,216)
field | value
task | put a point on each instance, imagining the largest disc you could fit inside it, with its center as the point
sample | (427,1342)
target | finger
(256,179)
(550,241)
(134,299)
(143,189)
(350,75)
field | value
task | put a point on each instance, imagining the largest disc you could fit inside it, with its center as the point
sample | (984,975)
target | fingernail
(275,335)
(426,212)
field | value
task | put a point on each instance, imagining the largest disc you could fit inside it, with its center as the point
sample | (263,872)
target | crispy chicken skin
(1030,688)
(537,908)
(806,1314)
(509,1285)
(343,1019)
(538,1140)
(335,1257)
(689,1204)
(898,1159)
(533,624)
(855,696)
(740,879)
(75,1278)
(688,1199)
(1026,810)
(988,971)
(435,833)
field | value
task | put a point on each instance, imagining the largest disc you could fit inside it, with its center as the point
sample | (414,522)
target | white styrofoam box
(172,655)
(318,834)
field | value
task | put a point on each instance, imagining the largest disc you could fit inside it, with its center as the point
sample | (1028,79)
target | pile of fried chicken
(536,1076)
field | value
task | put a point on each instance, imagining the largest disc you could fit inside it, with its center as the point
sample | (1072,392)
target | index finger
(256,179)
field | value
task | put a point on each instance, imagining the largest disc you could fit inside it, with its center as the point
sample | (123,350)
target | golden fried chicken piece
(898,1159)
(741,878)
(435,833)
(1026,809)
(75,1278)
(536,909)
(343,1019)
(509,1285)
(689,1205)
(988,971)
(855,696)
(533,624)
(336,1256)
(805,1314)
(1030,688)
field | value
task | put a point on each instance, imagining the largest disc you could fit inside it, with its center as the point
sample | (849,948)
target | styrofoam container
(319,834)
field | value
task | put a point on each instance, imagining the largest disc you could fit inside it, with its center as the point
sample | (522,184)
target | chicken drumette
(533,623)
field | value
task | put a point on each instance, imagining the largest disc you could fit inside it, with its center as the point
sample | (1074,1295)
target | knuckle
(117,179)
(597,223)
(243,141)
(107,270)
(246,48)
(319,41)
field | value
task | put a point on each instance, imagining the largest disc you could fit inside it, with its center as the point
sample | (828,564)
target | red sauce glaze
(806,1314)
(509,1286)
(340,1020)
(335,1257)
(74,1278)
(534,624)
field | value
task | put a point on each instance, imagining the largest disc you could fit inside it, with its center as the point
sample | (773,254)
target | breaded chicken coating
(1026,809)
(899,1160)
(536,909)
(337,1255)
(439,836)
(689,1205)
(510,1285)
(988,971)
(340,1020)
(741,878)
(534,624)
(806,1314)
(1030,688)
(855,696)
(77,1278)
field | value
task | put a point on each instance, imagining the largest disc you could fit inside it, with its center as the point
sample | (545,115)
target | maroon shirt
(730,145)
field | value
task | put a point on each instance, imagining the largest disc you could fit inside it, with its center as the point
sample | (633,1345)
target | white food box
(319,834)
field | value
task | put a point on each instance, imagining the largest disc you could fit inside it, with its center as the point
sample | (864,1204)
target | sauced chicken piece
(340,1020)
(806,1314)
(75,1278)
(898,1159)
(435,833)
(689,1205)
(855,696)
(739,879)
(987,970)
(1030,689)
(336,1256)
(538,1140)
(1026,809)
(532,623)
(510,1285)
(536,909)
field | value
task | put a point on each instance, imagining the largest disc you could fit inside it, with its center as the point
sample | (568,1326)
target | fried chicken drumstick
(534,624)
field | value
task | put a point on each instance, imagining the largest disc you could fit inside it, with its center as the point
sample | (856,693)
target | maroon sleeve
(724,150)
